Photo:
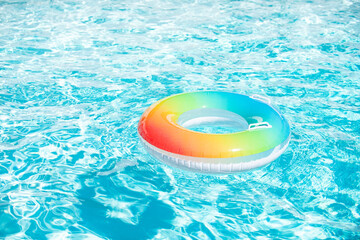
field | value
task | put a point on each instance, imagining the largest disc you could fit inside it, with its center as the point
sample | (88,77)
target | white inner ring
(212,117)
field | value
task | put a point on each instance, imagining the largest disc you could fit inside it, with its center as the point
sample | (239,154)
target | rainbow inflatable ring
(263,133)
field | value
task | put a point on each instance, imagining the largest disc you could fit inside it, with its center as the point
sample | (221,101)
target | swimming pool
(75,77)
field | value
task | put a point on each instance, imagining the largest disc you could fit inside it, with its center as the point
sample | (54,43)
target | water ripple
(76,76)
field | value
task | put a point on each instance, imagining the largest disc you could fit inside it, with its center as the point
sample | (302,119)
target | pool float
(262,136)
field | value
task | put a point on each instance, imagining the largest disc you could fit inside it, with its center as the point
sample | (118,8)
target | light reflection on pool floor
(75,77)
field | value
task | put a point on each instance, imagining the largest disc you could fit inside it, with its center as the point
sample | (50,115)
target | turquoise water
(75,76)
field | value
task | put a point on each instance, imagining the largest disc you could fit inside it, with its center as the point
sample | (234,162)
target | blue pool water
(75,76)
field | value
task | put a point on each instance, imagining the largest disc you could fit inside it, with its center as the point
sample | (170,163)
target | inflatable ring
(263,132)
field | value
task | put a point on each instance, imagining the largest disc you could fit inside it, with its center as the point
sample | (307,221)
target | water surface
(75,76)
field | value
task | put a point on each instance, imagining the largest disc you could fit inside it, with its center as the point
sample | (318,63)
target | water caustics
(76,76)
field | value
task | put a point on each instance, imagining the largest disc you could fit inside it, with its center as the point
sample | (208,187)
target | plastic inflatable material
(263,133)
